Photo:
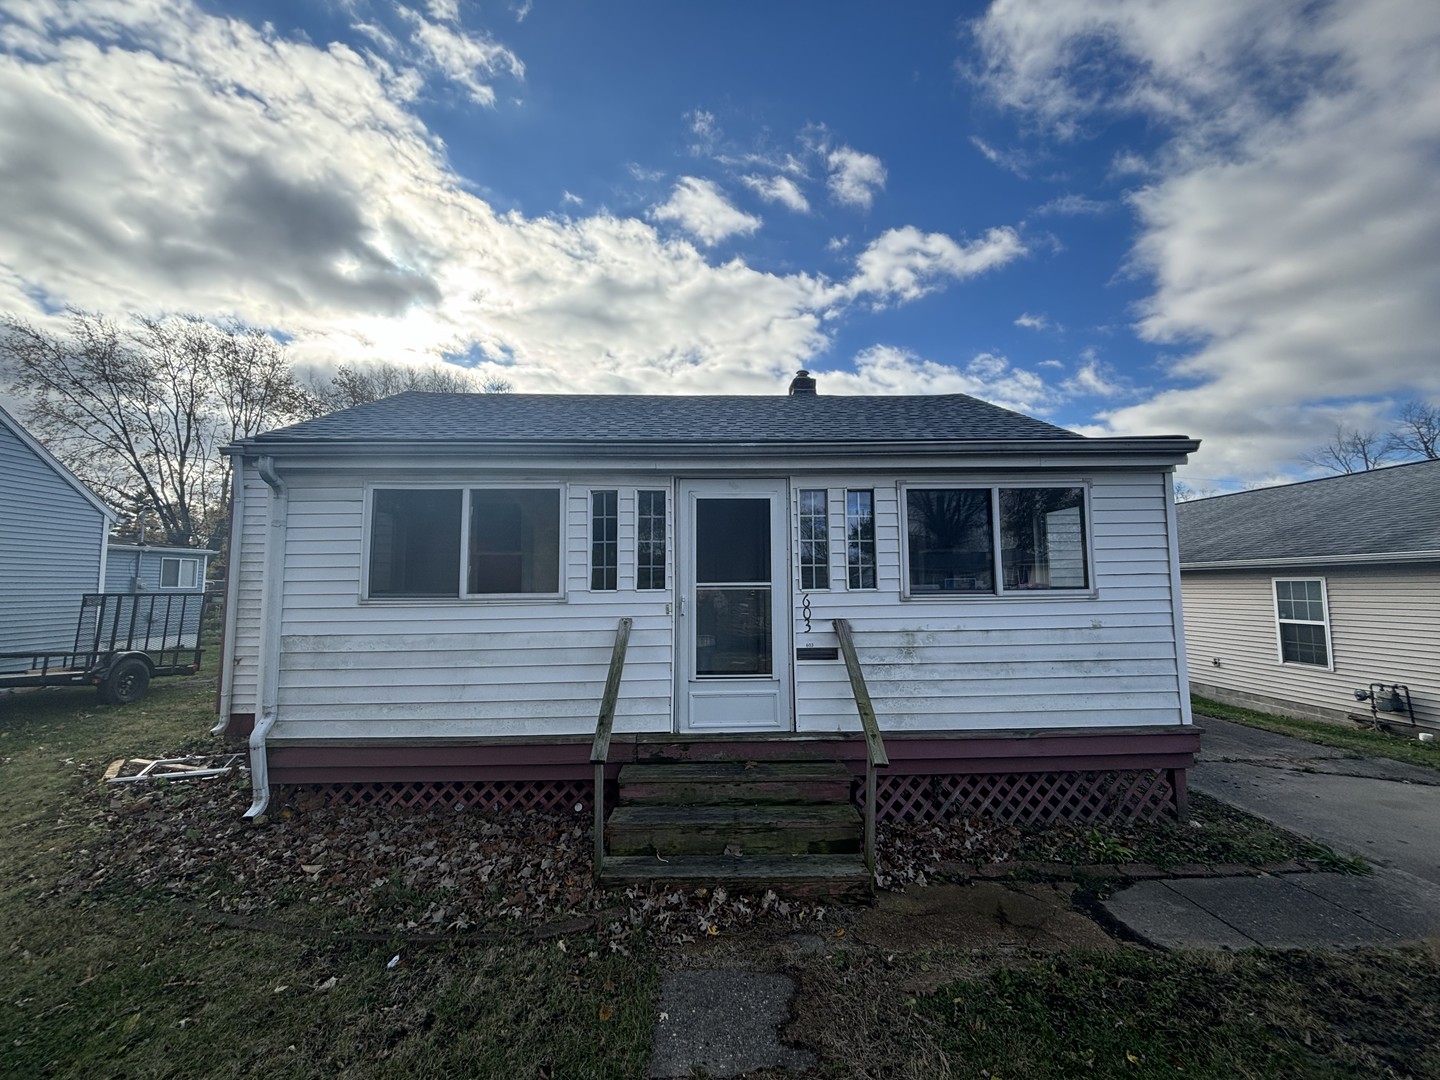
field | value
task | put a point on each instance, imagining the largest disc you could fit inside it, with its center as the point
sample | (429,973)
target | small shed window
(860,539)
(179,573)
(994,540)
(604,540)
(1300,616)
(815,539)
(650,540)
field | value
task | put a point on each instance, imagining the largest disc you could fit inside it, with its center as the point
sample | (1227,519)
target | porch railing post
(875,753)
(600,748)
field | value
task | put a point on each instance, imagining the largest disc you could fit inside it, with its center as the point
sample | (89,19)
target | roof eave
(1366,559)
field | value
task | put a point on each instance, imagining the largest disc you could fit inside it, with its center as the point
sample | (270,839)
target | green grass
(1356,740)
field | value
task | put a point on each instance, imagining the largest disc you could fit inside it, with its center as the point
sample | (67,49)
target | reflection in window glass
(732,631)
(514,541)
(415,543)
(604,540)
(1042,538)
(650,549)
(814,540)
(732,541)
(950,541)
(860,538)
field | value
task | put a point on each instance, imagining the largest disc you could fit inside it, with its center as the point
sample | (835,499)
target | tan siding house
(1298,597)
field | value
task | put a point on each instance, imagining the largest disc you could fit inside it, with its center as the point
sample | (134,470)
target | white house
(427,591)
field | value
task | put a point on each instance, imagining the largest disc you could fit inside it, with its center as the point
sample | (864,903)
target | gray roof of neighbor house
(1383,515)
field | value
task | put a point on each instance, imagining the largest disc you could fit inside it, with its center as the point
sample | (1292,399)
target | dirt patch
(984,915)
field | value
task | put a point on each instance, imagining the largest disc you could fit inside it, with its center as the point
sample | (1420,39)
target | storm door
(734,633)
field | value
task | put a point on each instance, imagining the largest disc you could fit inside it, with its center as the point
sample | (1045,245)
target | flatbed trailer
(122,641)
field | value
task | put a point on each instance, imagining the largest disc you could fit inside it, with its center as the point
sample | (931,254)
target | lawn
(123,957)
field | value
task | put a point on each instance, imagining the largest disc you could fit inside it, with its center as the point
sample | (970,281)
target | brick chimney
(803,383)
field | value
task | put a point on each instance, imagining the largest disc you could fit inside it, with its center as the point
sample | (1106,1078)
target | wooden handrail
(600,748)
(874,745)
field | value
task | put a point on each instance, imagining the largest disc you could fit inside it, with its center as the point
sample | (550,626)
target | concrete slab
(1225,740)
(1277,913)
(723,1022)
(1162,917)
(1387,898)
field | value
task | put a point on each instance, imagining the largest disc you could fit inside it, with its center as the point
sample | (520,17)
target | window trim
(1329,664)
(463,570)
(1090,592)
(180,561)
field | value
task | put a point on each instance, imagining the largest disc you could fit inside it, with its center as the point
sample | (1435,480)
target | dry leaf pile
(383,870)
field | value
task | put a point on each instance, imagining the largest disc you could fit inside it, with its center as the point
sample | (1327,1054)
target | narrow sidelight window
(860,538)
(604,540)
(814,539)
(650,542)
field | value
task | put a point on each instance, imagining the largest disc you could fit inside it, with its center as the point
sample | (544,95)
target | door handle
(682,606)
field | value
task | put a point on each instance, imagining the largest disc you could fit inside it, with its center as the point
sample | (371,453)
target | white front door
(734,639)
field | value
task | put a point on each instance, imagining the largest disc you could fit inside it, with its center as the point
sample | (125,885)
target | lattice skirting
(1025,797)
(481,797)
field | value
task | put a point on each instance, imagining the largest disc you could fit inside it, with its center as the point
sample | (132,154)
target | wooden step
(713,782)
(746,830)
(800,875)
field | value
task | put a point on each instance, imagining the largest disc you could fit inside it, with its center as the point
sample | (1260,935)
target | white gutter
(1318,560)
(268,676)
(232,594)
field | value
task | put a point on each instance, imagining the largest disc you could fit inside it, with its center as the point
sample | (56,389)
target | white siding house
(429,587)
(52,544)
(1298,596)
(135,568)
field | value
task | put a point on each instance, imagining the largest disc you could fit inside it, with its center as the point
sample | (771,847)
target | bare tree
(140,413)
(1185,492)
(1418,433)
(360,385)
(1351,450)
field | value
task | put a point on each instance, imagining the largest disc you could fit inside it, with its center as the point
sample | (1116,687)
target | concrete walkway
(1384,811)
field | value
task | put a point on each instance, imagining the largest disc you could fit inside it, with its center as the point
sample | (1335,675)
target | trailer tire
(127,682)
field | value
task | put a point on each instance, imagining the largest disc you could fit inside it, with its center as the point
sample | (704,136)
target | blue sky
(1212,219)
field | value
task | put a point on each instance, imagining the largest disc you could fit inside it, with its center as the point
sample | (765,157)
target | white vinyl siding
(1384,622)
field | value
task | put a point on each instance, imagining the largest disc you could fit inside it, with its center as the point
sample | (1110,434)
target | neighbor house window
(179,573)
(860,539)
(423,543)
(650,540)
(604,540)
(1303,628)
(995,540)
(415,543)
(814,539)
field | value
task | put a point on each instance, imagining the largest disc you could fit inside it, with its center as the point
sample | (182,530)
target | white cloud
(855,177)
(1010,160)
(1034,322)
(885,369)
(1093,379)
(449,10)
(522,9)
(571,198)
(1071,205)
(701,209)
(905,264)
(706,131)
(779,189)
(467,59)
(1290,224)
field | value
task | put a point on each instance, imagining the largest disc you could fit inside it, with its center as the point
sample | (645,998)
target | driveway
(1384,811)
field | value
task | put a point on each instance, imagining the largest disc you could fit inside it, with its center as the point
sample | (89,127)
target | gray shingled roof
(1384,511)
(616,418)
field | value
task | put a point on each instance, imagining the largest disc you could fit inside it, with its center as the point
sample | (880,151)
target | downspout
(268,675)
(232,593)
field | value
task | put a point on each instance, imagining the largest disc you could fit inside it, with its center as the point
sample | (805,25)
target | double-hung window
(1301,622)
(474,542)
(995,540)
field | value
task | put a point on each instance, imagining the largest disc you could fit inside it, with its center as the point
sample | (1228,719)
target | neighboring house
(426,591)
(52,544)
(151,568)
(1298,596)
